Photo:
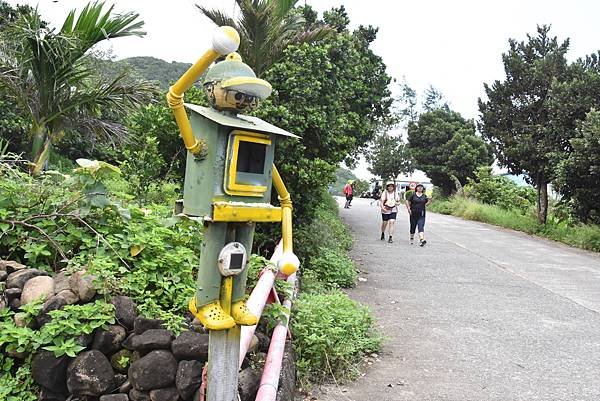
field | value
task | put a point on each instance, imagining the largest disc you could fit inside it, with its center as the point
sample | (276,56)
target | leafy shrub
(16,382)
(322,245)
(324,230)
(500,191)
(62,221)
(331,334)
(60,333)
(310,283)
(333,268)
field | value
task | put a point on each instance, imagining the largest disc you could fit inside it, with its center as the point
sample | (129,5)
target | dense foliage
(50,77)
(74,222)
(267,28)
(578,177)
(500,191)
(445,146)
(332,333)
(335,118)
(388,157)
(516,117)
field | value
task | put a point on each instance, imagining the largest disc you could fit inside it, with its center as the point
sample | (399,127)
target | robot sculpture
(228,180)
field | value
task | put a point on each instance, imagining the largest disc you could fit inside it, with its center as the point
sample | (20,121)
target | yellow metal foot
(242,315)
(212,316)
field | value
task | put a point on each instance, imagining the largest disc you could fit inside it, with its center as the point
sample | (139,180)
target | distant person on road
(376,192)
(349,193)
(389,210)
(415,204)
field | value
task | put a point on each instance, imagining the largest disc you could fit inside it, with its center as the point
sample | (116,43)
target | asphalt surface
(479,313)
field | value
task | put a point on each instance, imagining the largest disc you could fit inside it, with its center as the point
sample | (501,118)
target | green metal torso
(204,177)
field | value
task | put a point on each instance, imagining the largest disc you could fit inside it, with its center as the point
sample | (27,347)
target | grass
(578,235)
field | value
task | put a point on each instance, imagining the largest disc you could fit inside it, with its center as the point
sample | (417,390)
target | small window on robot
(236,261)
(251,157)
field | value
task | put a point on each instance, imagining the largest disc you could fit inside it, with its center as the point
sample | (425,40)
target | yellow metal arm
(289,262)
(225,40)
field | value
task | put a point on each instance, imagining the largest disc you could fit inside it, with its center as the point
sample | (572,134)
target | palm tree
(51,77)
(266,28)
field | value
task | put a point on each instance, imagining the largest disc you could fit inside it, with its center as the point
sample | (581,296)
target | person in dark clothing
(416,204)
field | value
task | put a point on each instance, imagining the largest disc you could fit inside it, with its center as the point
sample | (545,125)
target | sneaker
(390,240)
(423,242)
(412,241)
(382,236)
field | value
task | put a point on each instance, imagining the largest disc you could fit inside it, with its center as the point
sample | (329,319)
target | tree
(434,99)
(444,145)
(50,75)
(578,175)
(516,117)
(267,28)
(406,103)
(388,157)
(335,117)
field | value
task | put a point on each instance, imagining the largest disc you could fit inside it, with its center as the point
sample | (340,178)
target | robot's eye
(239,96)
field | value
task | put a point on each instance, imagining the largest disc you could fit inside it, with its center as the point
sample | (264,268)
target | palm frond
(94,25)
(216,16)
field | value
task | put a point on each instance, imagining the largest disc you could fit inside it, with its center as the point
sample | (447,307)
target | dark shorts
(349,197)
(389,216)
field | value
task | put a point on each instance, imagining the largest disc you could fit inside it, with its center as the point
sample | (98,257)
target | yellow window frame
(231,186)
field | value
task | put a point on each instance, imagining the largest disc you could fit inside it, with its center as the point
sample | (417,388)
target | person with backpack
(415,204)
(389,210)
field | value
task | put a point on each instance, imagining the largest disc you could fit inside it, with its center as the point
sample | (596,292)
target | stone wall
(135,359)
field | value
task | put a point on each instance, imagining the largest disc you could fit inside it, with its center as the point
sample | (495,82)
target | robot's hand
(288,263)
(225,40)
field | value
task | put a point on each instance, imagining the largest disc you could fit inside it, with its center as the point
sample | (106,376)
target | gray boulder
(136,395)
(191,345)
(152,339)
(13,293)
(125,311)
(53,303)
(109,340)
(141,324)
(153,371)
(61,282)
(69,296)
(188,378)
(18,278)
(82,284)
(10,266)
(49,371)
(164,394)
(90,373)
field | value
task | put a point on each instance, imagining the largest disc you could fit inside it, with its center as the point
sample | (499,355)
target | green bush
(500,191)
(333,268)
(322,245)
(331,334)
(74,222)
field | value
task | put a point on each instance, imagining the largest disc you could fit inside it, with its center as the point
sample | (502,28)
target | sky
(456,46)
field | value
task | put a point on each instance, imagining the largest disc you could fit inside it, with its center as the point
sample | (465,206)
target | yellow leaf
(136,249)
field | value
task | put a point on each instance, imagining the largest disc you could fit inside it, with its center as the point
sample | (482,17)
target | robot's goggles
(241,99)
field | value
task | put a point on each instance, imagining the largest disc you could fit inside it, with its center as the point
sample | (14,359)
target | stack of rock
(134,359)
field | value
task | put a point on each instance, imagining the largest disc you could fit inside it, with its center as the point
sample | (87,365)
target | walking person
(389,210)
(349,193)
(416,204)
(376,193)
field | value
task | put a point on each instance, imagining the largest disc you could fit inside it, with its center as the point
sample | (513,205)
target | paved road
(480,313)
